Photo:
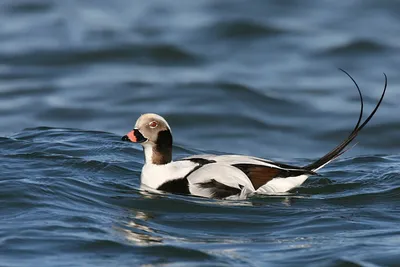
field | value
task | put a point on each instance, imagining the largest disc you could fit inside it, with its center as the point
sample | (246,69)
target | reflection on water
(136,232)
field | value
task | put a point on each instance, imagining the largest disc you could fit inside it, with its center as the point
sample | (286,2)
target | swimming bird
(223,176)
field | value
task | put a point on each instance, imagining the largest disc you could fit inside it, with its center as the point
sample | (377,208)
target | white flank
(281,185)
(155,175)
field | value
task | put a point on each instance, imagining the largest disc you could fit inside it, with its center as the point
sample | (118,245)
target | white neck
(148,154)
(154,156)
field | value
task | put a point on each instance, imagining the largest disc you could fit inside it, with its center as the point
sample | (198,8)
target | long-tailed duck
(222,176)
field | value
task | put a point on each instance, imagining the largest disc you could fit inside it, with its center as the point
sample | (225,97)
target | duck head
(154,134)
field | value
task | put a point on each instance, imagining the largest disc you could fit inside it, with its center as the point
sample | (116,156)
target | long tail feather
(340,149)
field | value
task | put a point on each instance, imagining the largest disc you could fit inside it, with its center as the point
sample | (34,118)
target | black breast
(177,186)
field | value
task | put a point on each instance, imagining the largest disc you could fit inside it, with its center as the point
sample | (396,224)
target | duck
(223,176)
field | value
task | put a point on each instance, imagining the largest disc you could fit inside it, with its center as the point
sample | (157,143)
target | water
(255,78)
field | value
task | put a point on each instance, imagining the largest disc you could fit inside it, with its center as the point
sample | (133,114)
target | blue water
(257,78)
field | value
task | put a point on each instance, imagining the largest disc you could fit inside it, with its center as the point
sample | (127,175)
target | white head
(154,134)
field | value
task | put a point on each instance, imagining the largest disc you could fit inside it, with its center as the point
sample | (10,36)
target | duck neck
(159,153)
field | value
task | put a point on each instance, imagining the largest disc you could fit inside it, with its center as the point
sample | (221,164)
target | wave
(238,29)
(356,47)
(149,54)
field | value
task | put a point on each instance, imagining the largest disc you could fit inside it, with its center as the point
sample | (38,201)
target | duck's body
(220,176)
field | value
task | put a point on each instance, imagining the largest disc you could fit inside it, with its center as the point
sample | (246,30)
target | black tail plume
(341,148)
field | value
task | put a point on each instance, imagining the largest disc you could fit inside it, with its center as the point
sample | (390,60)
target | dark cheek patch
(163,149)
(164,138)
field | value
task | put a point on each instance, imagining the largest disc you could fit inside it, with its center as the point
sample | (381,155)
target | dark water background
(248,77)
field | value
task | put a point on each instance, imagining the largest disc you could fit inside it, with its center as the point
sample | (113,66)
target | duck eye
(153,124)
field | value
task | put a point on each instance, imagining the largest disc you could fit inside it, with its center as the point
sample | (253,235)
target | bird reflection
(137,232)
(136,226)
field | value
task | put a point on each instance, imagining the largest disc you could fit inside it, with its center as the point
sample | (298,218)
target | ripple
(357,47)
(243,29)
(245,91)
(29,7)
(96,206)
(164,54)
(364,198)
(26,91)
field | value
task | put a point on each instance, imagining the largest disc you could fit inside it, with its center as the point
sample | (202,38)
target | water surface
(255,78)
